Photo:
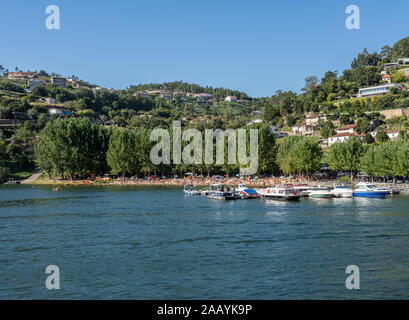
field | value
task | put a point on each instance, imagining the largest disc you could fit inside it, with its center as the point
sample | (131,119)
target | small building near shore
(342,137)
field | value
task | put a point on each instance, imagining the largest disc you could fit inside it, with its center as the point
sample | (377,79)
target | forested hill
(181,86)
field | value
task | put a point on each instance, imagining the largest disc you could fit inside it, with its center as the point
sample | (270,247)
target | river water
(156,243)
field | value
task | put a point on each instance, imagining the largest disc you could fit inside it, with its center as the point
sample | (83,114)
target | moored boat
(342,191)
(281,193)
(190,190)
(369,190)
(319,192)
(221,192)
(302,189)
(246,193)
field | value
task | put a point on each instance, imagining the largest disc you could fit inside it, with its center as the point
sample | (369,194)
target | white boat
(302,189)
(221,192)
(245,192)
(281,193)
(190,190)
(369,190)
(342,191)
(319,192)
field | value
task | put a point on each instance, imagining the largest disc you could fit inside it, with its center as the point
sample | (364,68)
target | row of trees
(388,158)
(76,147)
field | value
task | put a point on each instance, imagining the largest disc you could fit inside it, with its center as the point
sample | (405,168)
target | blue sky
(254,46)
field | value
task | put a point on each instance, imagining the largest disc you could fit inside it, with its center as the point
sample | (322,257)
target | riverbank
(202,182)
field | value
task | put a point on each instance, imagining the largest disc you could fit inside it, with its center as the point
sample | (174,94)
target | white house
(349,128)
(48,100)
(302,130)
(341,137)
(387,78)
(377,90)
(403,61)
(59,111)
(230,99)
(313,120)
(392,134)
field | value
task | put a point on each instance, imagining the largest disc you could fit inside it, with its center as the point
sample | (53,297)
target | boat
(369,190)
(246,193)
(342,191)
(190,190)
(319,192)
(281,193)
(302,189)
(221,192)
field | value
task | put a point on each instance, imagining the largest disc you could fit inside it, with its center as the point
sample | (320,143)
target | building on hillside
(59,111)
(302,130)
(34,83)
(387,78)
(256,113)
(313,120)
(342,137)
(59,81)
(390,65)
(20,75)
(203,96)
(166,95)
(377,90)
(403,61)
(142,94)
(392,134)
(255,121)
(48,100)
(276,131)
(230,99)
(349,128)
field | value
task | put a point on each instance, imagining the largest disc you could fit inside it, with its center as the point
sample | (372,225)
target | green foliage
(299,154)
(73,146)
(382,137)
(346,156)
(327,130)
(389,158)
(267,150)
(400,49)
(4,174)
(369,139)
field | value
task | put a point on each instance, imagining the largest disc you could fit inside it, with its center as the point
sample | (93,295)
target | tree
(382,137)
(327,130)
(369,139)
(267,151)
(398,76)
(308,154)
(400,49)
(346,156)
(4,174)
(122,152)
(363,125)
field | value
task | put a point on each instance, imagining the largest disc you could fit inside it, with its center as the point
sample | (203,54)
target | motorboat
(245,192)
(190,190)
(319,192)
(281,193)
(369,190)
(221,192)
(342,191)
(302,189)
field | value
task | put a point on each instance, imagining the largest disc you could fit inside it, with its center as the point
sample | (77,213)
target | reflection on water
(154,243)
